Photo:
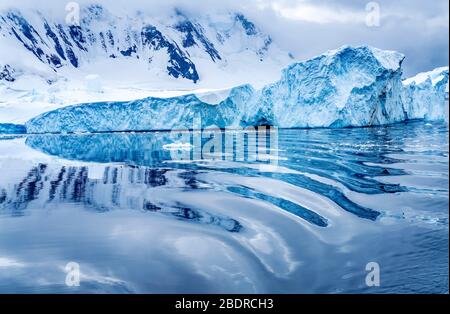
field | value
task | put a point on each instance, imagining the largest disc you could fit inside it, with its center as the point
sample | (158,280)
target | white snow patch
(435,76)
(214,97)
(93,83)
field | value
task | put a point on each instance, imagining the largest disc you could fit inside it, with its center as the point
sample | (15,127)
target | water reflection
(308,152)
(321,161)
(106,188)
(274,216)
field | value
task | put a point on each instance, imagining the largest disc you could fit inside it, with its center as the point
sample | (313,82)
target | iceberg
(347,87)
(341,88)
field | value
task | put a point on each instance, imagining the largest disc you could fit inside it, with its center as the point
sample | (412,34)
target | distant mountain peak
(249,27)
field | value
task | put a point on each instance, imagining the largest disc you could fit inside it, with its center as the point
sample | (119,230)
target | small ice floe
(178,146)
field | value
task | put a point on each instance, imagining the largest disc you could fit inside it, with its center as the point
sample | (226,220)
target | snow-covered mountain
(47,63)
(178,45)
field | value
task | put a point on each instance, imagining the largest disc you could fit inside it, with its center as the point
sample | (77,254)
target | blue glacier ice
(140,115)
(425,95)
(345,87)
(350,86)
(9,128)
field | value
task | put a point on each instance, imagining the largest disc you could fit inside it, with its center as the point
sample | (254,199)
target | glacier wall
(425,95)
(350,86)
(9,128)
(346,87)
(147,114)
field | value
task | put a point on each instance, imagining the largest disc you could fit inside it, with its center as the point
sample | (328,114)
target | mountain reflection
(144,149)
(104,188)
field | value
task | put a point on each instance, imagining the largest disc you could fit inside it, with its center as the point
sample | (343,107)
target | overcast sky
(417,28)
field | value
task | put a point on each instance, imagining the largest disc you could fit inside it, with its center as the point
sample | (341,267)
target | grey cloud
(417,28)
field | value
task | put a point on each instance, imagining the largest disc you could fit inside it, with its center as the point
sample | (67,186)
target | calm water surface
(306,216)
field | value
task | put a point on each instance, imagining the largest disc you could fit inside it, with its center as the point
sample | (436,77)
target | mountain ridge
(172,47)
